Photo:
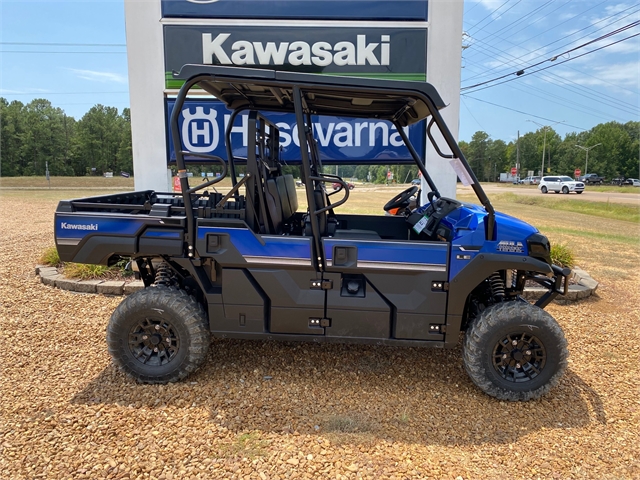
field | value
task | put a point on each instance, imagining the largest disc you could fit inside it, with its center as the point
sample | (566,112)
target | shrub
(85,271)
(562,255)
(50,257)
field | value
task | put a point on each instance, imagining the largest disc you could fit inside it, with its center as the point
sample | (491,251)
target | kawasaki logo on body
(242,52)
(78,226)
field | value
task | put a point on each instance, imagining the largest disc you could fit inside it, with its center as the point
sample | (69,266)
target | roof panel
(401,101)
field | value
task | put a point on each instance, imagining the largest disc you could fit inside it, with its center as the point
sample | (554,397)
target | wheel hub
(519,357)
(154,342)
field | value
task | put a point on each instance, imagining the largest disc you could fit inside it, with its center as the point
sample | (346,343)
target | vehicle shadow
(351,394)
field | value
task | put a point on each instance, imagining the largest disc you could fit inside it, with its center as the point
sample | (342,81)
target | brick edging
(585,285)
(50,276)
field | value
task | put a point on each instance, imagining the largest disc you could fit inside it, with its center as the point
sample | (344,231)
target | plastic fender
(477,270)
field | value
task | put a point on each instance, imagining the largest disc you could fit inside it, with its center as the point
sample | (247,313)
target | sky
(74,54)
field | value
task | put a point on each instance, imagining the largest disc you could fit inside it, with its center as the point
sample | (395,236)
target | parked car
(337,186)
(560,184)
(634,182)
(416,181)
(531,181)
(592,179)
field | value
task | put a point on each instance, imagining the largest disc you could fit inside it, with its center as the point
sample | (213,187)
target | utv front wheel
(158,335)
(515,351)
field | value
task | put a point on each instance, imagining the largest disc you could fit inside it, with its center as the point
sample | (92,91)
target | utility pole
(518,155)
(544,144)
(586,163)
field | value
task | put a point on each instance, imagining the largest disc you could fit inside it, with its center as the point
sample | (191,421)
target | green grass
(50,257)
(249,445)
(596,235)
(615,211)
(84,271)
(562,255)
(68,182)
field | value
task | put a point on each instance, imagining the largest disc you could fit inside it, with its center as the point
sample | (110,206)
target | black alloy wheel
(519,357)
(159,334)
(515,351)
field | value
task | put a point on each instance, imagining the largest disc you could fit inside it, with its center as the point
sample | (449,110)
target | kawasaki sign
(403,10)
(397,53)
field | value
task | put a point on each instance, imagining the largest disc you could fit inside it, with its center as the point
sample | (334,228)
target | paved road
(613,197)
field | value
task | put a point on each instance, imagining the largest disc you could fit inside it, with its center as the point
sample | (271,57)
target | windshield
(566,179)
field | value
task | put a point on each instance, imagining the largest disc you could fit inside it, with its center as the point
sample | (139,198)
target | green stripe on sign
(175,84)
(416,77)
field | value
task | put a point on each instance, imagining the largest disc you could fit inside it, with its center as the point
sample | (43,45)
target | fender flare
(478,269)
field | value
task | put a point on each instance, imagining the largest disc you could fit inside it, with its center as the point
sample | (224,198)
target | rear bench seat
(282,200)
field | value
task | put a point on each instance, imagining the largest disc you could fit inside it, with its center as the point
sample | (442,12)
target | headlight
(539,247)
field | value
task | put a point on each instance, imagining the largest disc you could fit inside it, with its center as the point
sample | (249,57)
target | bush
(85,271)
(51,257)
(562,255)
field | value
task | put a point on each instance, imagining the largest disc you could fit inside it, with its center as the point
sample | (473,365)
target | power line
(545,68)
(515,23)
(555,41)
(499,16)
(614,102)
(520,111)
(520,72)
(494,11)
(587,109)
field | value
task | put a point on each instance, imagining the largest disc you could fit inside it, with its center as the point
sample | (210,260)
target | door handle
(345,256)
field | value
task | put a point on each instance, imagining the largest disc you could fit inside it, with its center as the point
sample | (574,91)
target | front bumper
(556,285)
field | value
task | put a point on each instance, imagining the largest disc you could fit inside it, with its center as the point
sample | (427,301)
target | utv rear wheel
(515,351)
(158,335)
(565,190)
(543,189)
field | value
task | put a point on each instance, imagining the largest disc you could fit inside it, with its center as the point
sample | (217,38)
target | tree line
(618,154)
(37,134)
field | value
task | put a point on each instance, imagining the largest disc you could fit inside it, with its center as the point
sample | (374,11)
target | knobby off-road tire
(515,351)
(158,335)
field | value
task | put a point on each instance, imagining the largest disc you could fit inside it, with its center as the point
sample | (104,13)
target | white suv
(560,184)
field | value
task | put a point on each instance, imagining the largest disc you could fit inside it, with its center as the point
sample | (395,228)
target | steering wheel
(401,199)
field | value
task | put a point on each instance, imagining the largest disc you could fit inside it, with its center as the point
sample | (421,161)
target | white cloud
(95,76)
(624,74)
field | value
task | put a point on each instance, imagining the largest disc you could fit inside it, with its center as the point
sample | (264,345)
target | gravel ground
(274,411)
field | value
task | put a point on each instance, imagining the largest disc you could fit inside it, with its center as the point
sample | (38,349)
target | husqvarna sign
(340,139)
(412,10)
(398,53)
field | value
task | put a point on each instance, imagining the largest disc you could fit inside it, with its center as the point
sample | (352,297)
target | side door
(266,281)
(385,289)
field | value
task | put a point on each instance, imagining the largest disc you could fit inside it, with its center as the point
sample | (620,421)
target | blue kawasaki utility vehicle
(252,264)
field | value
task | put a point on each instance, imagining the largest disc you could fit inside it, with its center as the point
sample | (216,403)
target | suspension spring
(497,286)
(164,275)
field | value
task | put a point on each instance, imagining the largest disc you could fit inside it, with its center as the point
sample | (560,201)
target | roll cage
(258,90)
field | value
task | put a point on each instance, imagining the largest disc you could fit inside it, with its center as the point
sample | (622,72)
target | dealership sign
(396,53)
(403,10)
(340,139)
